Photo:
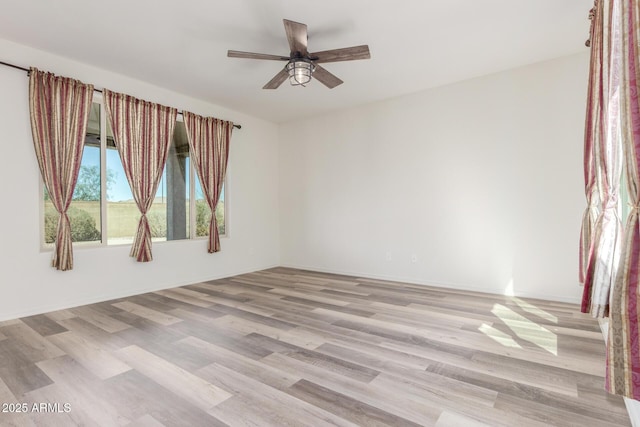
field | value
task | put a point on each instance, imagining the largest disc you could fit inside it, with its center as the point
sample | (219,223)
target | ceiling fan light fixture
(300,70)
(300,64)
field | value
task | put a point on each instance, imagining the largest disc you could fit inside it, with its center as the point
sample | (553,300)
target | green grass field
(123,218)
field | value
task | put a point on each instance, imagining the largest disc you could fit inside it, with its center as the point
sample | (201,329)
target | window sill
(113,244)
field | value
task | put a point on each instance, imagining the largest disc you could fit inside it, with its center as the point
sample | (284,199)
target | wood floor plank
(43,325)
(237,285)
(182,383)
(157,302)
(90,354)
(244,326)
(96,318)
(228,339)
(412,313)
(186,296)
(553,416)
(253,415)
(206,316)
(333,364)
(250,315)
(85,329)
(469,359)
(136,395)
(415,393)
(83,410)
(345,406)
(146,421)
(376,355)
(292,336)
(475,362)
(83,391)
(320,324)
(7,396)
(189,358)
(590,389)
(301,296)
(33,346)
(452,419)
(255,369)
(147,313)
(248,307)
(218,296)
(456,389)
(299,314)
(462,340)
(293,347)
(12,418)
(497,384)
(19,373)
(61,315)
(144,330)
(423,414)
(270,399)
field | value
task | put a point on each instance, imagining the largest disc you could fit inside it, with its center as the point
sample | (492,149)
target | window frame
(47,247)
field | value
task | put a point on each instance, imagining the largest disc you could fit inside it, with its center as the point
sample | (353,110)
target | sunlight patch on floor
(526,329)
(509,291)
(530,308)
(498,336)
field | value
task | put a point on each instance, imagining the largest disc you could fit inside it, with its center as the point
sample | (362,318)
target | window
(103,210)
(84,212)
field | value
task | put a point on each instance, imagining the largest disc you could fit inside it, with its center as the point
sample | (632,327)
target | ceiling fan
(302,65)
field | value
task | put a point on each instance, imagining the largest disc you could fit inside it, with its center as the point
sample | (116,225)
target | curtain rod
(17,67)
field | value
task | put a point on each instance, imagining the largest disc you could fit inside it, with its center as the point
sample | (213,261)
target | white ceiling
(415,44)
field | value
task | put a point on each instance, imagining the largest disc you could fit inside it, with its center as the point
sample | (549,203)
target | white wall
(29,285)
(480,180)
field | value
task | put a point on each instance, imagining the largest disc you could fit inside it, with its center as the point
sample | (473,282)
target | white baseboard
(111,296)
(435,284)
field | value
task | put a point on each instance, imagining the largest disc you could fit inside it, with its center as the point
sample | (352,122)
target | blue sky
(120,190)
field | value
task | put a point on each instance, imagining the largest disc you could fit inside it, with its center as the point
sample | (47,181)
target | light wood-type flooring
(286,347)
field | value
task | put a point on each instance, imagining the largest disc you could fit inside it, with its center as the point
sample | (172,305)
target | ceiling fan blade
(277,80)
(326,78)
(344,54)
(297,36)
(250,55)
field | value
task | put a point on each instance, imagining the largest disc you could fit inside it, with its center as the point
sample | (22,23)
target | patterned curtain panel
(142,133)
(623,346)
(209,144)
(59,109)
(592,133)
(605,247)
